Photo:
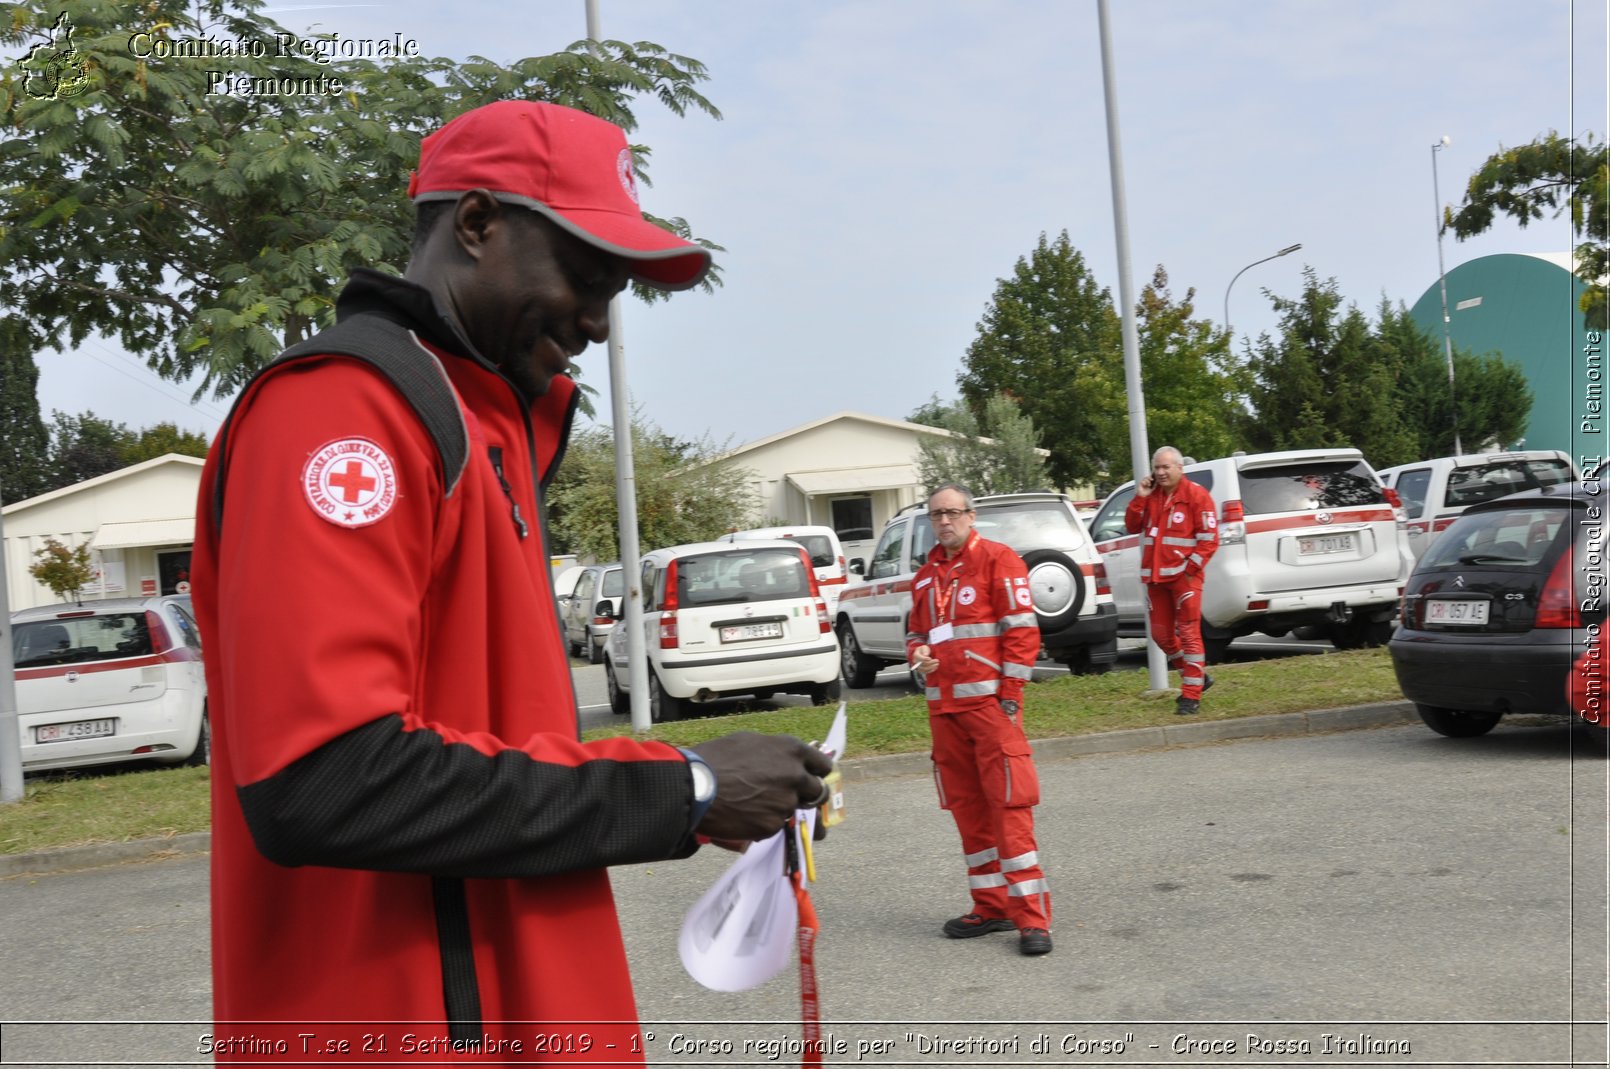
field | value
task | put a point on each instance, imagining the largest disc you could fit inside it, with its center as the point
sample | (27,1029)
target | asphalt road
(1444,896)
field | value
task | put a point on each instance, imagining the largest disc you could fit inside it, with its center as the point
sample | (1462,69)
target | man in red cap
(409,842)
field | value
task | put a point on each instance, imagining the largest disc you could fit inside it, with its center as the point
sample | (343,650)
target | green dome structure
(1525,307)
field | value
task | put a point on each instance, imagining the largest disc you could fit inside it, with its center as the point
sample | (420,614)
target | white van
(1306,536)
(826,553)
(1435,492)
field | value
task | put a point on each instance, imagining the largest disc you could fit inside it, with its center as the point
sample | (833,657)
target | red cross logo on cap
(351,482)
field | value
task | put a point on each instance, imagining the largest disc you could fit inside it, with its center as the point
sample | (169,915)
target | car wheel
(1215,649)
(595,648)
(858,669)
(1457,723)
(620,703)
(202,754)
(824,693)
(1080,664)
(663,708)
(1056,585)
(1358,634)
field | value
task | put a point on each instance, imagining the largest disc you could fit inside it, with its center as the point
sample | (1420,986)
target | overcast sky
(880,165)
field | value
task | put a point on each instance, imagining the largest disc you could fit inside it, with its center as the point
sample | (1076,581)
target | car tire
(826,693)
(595,648)
(1079,663)
(858,669)
(202,754)
(1057,585)
(1360,634)
(620,703)
(1457,723)
(1215,649)
(663,708)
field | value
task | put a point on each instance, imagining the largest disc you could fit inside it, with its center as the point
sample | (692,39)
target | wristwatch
(1010,707)
(704,785)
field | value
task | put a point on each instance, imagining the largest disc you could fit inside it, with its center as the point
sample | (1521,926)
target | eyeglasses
(947,514)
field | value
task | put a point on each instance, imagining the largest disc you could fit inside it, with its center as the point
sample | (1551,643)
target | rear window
(1468,486)
(1309,487)
(79,640)
(741,576)
(820,547)
(1517,538)
(1030,525)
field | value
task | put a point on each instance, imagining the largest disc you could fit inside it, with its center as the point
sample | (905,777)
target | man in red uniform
(1179,533)
(410,843)
(974,636)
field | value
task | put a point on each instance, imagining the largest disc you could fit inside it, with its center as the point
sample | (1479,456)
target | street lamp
(1287,251)
(1442,281)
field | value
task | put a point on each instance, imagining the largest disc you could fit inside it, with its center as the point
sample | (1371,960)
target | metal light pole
(1139,458)
(11,788)
(1442,282)
(626,497)
(1287,251)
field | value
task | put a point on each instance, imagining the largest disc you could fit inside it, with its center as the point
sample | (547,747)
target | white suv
(1306,537)
(1078,622)
(1434,492)
(723,618)
(110,681)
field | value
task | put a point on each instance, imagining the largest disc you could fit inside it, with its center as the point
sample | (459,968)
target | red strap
(809,1003)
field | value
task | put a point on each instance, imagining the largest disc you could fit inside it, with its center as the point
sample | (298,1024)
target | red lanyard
(809,1001)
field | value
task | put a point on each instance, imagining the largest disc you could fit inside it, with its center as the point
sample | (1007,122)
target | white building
(139,522)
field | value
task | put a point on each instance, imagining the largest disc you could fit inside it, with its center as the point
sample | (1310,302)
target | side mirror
(857,566)
(604,610)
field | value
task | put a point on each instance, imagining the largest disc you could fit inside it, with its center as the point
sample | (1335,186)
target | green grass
(157,803)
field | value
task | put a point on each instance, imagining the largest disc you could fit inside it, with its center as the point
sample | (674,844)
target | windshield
(75,641)
(741,576)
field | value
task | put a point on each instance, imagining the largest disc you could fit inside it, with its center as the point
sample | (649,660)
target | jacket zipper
(520,526)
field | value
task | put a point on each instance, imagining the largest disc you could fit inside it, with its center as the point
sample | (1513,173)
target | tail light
(1232,524)
(1100,575)
(1557,606)
(810,573)
(668,635)
(825,624)
(160,642)
(816,592)
(1399,515)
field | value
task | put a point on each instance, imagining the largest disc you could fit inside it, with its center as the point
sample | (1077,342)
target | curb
(1314,722)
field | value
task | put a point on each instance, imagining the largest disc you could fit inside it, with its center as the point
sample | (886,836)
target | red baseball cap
(574,168)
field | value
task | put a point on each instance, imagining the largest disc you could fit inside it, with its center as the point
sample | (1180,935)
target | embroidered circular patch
(351,482)
(1023,596)
(966,595)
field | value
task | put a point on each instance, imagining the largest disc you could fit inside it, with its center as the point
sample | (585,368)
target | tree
(24,442)
(207,223)
(1494,398)
(1332,378)
(997,455)
(685,492)
(1192,388)
(1050,339)
(1555,174)
(83,447)
(63,571)
(162,439)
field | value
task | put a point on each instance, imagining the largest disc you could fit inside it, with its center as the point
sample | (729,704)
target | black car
(1500,606)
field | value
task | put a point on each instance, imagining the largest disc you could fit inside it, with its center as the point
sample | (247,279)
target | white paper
(740,933)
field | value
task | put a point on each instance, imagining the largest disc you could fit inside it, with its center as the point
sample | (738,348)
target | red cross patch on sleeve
(350,482)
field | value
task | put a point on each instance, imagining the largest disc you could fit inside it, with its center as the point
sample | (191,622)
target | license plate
(1451,612)
(1317,545)
(746,632)
(78,729)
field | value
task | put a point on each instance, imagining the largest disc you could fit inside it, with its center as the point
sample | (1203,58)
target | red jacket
(405,826)
(1177,536)
(982,594)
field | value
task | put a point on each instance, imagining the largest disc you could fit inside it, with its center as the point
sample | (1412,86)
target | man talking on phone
(1178,526)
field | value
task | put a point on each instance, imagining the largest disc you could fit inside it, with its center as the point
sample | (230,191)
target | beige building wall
(139,522)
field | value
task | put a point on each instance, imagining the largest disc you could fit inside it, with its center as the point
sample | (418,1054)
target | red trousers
(984,769)
(1175,609)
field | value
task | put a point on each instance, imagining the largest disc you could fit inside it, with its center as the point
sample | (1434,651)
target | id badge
(942,633)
